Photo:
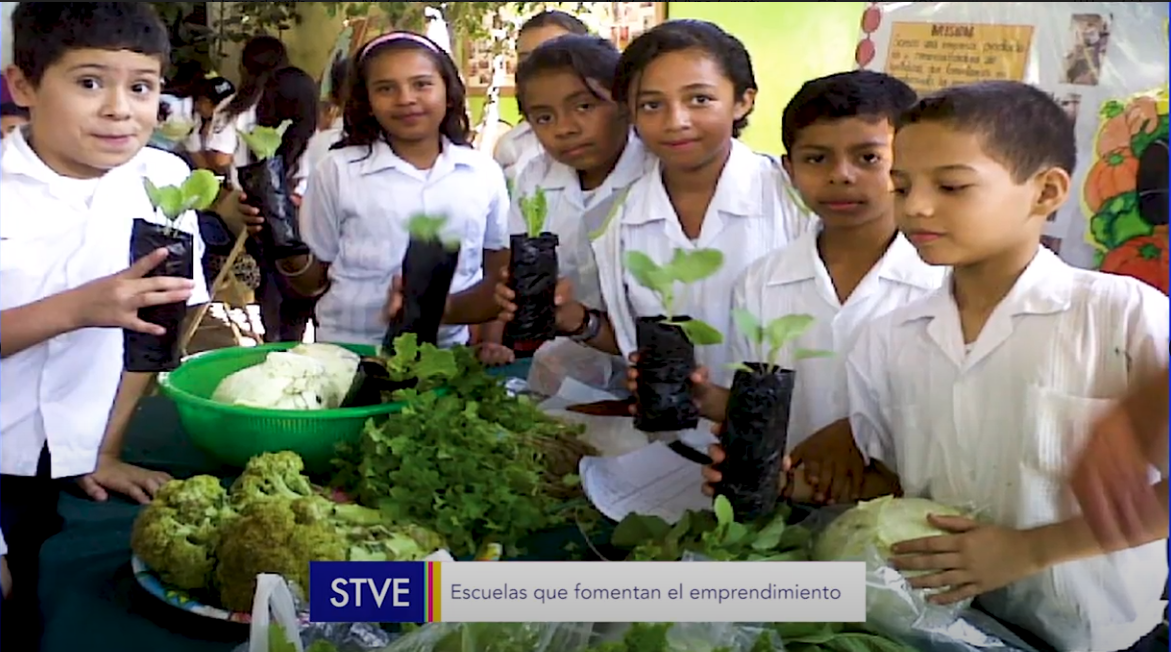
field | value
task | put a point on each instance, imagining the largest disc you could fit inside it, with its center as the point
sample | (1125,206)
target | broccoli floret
(176,533)
(266,538)
(272,475)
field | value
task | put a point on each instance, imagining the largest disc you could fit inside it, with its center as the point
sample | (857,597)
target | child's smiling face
(842,169)
(92,109)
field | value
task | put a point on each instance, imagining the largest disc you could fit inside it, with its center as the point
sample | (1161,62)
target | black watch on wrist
(590,327)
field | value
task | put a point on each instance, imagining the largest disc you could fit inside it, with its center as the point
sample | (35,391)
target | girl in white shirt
(404,152)
(690,87)
(329,125)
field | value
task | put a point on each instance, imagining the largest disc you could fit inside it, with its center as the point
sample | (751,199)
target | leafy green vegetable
(425,228)
(176,130)
(834,637)
(196,193)
(475,464)
(685,267)
(265,141)
(775,335)
(715,535)
(279,640)
(535,211)
(427,363)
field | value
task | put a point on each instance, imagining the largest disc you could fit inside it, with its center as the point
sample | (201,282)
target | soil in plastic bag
(428,269)
(372,383)
(666,360)
(755,435)
(532,275)
(267,189)
(154,353)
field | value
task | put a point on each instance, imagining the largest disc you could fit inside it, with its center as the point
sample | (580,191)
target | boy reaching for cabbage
(980,395)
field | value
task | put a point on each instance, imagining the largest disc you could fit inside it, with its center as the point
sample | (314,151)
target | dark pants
(283,313)
(28,517)
(1156,641)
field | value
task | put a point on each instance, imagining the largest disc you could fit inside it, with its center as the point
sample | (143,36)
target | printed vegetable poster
(1099,60)
(1125,190)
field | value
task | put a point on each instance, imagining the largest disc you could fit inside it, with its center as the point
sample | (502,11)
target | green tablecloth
(89,596)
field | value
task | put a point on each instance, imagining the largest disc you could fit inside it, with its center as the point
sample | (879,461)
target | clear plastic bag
(276,603)
(563,359)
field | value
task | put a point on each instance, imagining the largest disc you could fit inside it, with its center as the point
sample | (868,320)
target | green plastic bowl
(235,434)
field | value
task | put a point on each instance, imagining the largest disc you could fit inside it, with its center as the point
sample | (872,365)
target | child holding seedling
(590,159)
(817,293)
(71,190)
(980,394)
(705,210)
(405,137)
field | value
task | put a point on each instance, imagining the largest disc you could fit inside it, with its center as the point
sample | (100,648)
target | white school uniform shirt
(319,145)
(516,148)
(993,427)
(61,391)
(224,138)
(355,218)
(751,214)
(794,281)
(577,216)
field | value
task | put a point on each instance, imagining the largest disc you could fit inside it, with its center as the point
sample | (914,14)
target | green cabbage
(866,533)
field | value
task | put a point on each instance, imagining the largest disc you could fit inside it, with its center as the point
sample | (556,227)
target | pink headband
(396,36)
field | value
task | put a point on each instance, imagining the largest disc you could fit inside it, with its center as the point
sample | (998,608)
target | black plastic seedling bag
(666,361)
(428,269)
(532,275)
(150,353)
(267,189)
(371,383)
(756,432)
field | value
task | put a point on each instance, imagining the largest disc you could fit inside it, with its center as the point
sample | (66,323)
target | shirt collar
(1044,288)
(631,166)
(382,158)
(899,264)
(19,159)
(738,190)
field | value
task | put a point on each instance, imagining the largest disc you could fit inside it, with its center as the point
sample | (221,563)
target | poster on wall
(620,22)
(1095,58)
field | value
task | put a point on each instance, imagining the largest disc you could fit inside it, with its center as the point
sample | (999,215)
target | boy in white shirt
(837,131)
(71,187)
(980,394)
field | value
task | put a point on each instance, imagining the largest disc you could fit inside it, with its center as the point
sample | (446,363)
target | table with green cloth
(88,593)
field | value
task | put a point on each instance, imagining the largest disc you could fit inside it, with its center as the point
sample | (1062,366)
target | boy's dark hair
(591,58)
(362,128)
(10,109)
(1022,126)
(43,32)
(338,78)
(854,94)
(686,34)
(555,18)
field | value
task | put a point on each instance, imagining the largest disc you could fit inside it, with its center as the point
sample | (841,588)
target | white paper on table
(653,481)
(611,436)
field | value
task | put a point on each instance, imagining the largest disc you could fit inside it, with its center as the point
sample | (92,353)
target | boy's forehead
(852,131)
(123,61)
(939,145)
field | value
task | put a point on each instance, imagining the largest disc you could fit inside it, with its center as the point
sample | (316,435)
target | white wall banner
(1106,62)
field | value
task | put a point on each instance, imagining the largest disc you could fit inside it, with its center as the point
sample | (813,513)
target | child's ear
(1052,190)
(22,89)
(745,103)
(787,163)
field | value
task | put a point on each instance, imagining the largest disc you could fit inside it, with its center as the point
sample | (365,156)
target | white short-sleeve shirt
(61,391)
(794,281)
(516,148)
(224,137)
(576,216)
(355,217)
(993,426)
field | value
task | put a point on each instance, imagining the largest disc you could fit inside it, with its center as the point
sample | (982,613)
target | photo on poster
(1052,243)
(1070,103)
(1083,62)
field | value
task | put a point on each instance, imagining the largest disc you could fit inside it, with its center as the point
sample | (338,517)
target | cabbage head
(866,533)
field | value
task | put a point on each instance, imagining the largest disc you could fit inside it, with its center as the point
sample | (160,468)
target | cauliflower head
(272,475)
(176,534)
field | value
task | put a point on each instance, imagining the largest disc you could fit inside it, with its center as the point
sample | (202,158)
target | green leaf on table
(637,529)
(265,141)
(769,537)
(279,640)
(723,509)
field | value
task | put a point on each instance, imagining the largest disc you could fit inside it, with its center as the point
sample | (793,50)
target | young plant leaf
(723,509)
(805,354)
(748,325)
(176,130)
(197,192)
(265,141)
(426,228)
(700,333)
(692,266)
(647,272)
(535,210)
(783,330)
